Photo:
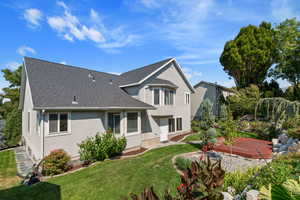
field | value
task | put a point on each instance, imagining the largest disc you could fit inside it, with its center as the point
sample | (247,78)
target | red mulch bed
(179,137)
(134,152)
(246,147)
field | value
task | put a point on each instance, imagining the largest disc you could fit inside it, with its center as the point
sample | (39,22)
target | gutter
(94,108)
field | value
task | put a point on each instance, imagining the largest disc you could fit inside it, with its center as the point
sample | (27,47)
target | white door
(164,129)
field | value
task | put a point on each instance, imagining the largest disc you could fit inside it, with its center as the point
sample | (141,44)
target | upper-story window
(169,97)
(187,98)
(156,94)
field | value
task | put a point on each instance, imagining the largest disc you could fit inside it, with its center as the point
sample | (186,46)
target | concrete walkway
(24,164)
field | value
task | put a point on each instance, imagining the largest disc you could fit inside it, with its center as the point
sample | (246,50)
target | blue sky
(119,35)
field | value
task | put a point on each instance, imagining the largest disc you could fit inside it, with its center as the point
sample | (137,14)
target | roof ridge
(145,66)
(69,66)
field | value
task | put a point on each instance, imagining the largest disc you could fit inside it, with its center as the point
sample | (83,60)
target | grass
(8,169)
(196,137)
(113,179)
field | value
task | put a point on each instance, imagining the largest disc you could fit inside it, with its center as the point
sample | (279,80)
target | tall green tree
(288,59)
(248,57)
(9,108)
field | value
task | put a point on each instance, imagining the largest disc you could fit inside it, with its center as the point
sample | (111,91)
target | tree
(10,93)
(288,59)
(250,55)
(9,109)
(206,114)
(271,89)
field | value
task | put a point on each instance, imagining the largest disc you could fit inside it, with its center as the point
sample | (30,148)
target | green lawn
(196,136)
(8,169)
(110,179)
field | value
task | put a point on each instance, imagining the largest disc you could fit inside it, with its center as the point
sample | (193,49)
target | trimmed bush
(183,163)
(101,147)
(56,163)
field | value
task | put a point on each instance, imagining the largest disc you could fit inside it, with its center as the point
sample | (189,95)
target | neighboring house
(63,105)
(213,92)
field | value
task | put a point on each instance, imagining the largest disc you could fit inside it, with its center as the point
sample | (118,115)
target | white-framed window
(59,123)
(179,124)
(28,122)
(132,122)
(171,123)
(169,97)
(156,96)
(187,98)
(114,122)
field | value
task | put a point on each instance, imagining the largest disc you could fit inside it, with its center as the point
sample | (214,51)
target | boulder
(290,141)
(275,141)
(252,195)
(283,147)
(283,138)
(227,196)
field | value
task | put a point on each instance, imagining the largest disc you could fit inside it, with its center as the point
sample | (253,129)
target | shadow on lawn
(39,191)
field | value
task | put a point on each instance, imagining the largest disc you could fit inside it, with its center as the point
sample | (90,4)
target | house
(213,92)
(63,105)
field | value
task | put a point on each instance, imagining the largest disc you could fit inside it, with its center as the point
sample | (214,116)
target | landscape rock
(252,195)
(283,138)
(275,141)
(283,148)
(290,141)
(227,196)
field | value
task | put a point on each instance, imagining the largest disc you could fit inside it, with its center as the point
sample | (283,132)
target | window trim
(58,133)
(138,123)
(185,98)
(153,96)
(179,117)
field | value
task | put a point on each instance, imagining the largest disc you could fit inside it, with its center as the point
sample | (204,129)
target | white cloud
(283,9)
(149,3)
(190,73)
(63,62)
(13,65)
(33,17)
(23,50)
(70,28)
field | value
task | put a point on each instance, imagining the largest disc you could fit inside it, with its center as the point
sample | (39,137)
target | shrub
(223,113)
(12,128)
(209,136)
(101,147)
(56,163)
(206,114)
(229,130)
(183,163)
(244,102)
(291,123)
(238,179)
(294,133)
(195,126)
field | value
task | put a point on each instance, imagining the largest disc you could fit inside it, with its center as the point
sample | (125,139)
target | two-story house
(63,105)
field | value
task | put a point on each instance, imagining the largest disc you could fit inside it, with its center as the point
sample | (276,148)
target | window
(132,122)
(156,96)
(187,98)
(63,122)
(28,122)
(171,125)
(179,124)
(114,122)
(58,122)
(169,97)
(53,123)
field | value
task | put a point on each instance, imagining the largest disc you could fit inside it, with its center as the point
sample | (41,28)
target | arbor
(288,59)
(249,56)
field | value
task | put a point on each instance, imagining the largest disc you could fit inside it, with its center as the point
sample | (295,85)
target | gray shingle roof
(215,85)
(54,85)
(137,75)
(158,81)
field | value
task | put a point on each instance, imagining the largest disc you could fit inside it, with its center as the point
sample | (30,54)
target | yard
(8,169)
(112,179)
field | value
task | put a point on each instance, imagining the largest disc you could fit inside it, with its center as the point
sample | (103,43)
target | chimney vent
(74,100)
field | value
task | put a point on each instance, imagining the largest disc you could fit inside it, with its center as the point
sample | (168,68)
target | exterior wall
(150,123)
(33,137)
(206,91)
(84,125)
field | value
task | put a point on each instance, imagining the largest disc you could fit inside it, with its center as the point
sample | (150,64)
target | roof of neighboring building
(215,85)
(56,86)
(136,75)
(162,82)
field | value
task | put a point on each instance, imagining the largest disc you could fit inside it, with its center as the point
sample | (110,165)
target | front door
(164,128)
